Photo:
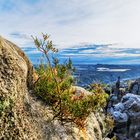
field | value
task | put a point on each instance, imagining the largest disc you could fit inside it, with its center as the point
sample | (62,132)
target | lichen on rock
(14,78)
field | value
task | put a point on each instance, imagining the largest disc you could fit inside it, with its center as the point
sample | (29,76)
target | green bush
(54,86)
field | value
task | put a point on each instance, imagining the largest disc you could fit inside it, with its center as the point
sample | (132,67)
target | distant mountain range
(86,74)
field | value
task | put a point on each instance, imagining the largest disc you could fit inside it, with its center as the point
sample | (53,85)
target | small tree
(55,80)
(54,86)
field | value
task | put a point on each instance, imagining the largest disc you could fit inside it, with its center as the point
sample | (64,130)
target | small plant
(54,87)
(109,124)
(55,79)
(100,95)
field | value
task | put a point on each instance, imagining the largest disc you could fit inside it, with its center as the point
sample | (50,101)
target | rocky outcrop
(126,114)
(15,78)
(22,115)
(135,87)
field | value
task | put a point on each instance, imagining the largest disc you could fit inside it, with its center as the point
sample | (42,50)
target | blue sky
(88,31)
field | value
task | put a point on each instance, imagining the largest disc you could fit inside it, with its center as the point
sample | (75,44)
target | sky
(88,31)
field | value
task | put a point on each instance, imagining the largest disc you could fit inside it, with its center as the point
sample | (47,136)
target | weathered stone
(127,116)
(135,87)
(15,76)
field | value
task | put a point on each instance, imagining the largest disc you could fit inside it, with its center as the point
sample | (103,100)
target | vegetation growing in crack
(54,86)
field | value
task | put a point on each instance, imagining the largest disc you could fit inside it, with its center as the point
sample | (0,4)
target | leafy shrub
(100,95)
(55,83)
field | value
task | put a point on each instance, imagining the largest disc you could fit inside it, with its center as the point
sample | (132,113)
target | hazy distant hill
(87,74)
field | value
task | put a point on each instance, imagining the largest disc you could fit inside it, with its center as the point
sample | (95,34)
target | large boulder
(127,116)
(135,87)
(16,77)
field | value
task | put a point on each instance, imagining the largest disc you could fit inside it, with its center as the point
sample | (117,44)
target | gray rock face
(127,117)
(135,87)
(15,79)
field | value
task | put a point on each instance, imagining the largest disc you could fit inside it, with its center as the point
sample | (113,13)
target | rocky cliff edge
(22,115)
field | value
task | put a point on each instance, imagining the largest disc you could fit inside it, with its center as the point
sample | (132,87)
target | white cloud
(102,51)
(74,21)
(33,52)
(88,51)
